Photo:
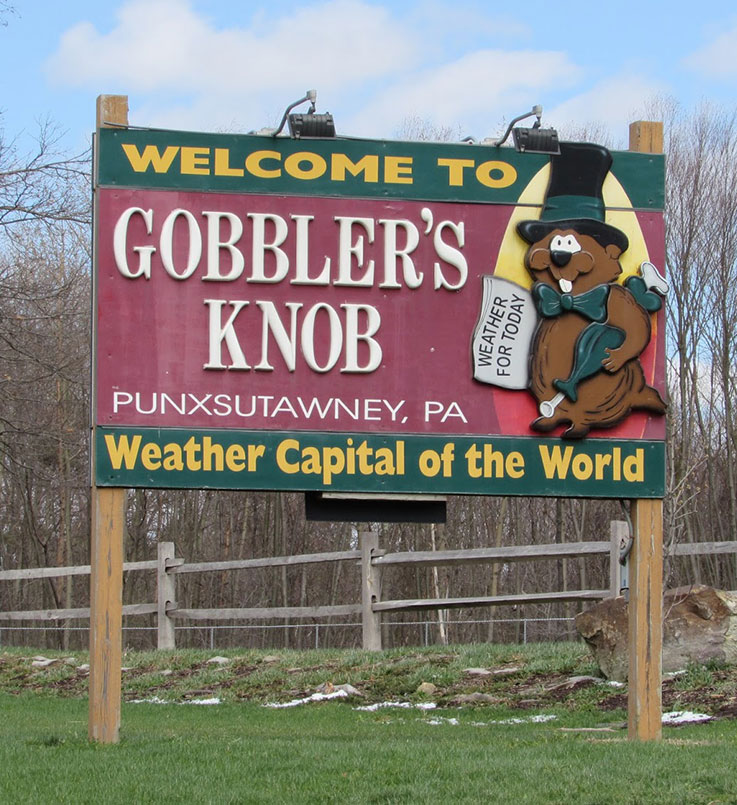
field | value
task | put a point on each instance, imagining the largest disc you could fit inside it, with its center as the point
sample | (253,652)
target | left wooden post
(106,613)
(107,524)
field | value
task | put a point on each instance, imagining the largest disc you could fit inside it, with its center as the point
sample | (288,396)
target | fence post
(165,594)
(370,591)
(619,533)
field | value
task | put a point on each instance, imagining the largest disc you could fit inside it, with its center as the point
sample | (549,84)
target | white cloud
(717,58)
(373,66)
(475,91)
(165,45)
(612,103)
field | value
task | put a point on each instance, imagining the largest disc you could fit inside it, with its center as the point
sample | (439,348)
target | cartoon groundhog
(584,367)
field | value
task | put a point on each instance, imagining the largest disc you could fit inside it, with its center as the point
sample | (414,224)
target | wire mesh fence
(345,634)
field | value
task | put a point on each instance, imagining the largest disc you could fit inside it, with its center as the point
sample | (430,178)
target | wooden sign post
(646,567)
(107,523)
(646,622)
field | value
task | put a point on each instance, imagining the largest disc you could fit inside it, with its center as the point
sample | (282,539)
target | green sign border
(641,175)
(366,462)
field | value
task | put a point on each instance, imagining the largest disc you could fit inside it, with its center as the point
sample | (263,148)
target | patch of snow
(157,700)
(436,720)
(684,717)
(218,661)
(316,697)
(614,684)
(372,708)
(538,719)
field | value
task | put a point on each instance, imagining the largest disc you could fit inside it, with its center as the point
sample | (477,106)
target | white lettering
(260,247)
(120,244)
(347,250)
(194,252)
(335,339)
(412,277)
(352,338)
(219,333)
(450,255)
(287,343)
(215,246)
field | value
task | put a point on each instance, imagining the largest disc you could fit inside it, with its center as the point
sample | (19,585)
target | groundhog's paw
(615,360)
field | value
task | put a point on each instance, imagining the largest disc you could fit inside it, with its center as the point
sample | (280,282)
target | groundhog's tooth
(565,285)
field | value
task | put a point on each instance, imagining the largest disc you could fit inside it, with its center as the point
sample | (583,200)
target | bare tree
(42,182)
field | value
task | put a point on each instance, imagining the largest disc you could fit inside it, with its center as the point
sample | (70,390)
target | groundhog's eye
(565,243)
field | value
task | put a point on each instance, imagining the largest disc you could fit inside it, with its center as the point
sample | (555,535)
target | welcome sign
(363,316)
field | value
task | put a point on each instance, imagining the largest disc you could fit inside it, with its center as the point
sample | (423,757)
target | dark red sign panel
(263,312)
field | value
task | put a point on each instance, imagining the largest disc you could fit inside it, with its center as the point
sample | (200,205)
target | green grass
(243,753)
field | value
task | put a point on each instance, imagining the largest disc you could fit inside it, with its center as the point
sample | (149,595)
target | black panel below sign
(373,510)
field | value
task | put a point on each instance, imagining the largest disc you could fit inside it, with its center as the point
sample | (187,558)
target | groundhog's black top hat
(574,197)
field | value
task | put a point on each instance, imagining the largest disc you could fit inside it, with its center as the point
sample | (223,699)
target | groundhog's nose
(560,258)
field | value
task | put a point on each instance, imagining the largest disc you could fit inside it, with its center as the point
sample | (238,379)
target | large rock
(699,624)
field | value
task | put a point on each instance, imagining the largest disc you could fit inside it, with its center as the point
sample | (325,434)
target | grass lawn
(240,751)
(328,752)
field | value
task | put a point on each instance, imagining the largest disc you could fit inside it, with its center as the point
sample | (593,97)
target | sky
(383,68)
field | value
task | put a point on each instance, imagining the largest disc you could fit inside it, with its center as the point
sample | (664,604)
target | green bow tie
(591,304)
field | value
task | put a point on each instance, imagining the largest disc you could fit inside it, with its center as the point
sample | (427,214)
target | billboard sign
(373,316)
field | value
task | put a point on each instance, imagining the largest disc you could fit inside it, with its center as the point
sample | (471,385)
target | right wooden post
(646,622)
(646,568)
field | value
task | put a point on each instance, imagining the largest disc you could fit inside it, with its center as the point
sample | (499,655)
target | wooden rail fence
(372,560)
